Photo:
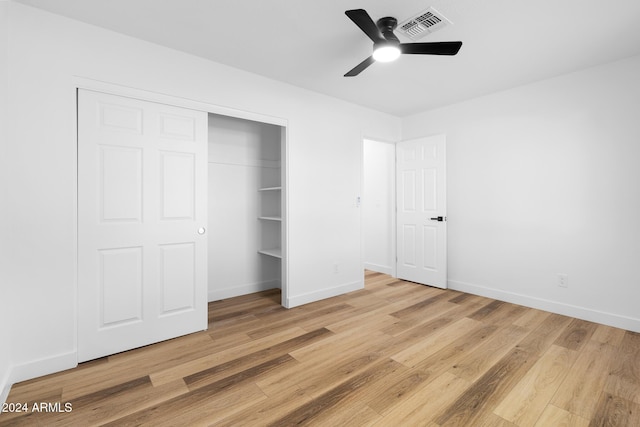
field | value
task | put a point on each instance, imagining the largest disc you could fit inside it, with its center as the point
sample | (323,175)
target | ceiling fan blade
(434,48)
(361,18)
(360,67)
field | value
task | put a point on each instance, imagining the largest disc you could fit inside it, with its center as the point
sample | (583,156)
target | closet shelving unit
(271,217)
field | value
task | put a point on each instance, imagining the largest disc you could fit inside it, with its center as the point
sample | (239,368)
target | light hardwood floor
(393,354)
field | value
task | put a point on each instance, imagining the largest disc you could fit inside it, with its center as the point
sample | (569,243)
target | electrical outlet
(336,270)
(563,280)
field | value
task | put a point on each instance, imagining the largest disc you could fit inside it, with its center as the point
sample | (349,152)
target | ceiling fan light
(386,53)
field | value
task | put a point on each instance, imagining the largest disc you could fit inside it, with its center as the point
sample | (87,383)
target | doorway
(378,206)
(404,209)
(247,220)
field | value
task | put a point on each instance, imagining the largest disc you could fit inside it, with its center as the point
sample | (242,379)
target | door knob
(438,218)
(201,230)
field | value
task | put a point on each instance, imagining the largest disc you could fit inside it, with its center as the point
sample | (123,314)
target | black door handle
(439,218)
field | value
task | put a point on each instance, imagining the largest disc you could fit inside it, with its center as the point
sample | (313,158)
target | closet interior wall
(245,207)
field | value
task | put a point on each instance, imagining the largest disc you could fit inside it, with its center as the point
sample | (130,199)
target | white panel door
(142,208)
(421,211)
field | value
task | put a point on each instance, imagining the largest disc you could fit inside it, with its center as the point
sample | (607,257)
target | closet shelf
(270,218)
(276,252)
(270,189)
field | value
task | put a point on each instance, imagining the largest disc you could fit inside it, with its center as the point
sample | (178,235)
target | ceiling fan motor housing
(388,48)
(386,26)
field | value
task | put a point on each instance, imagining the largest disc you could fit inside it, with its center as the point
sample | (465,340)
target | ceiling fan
(387,47)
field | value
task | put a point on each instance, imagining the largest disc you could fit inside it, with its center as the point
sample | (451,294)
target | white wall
(378,206)
(45,53)
(544,179)
(5,306)
(243,157)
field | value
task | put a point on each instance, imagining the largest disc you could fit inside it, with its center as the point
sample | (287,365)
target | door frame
(394,221)
(392,224)
(79,82)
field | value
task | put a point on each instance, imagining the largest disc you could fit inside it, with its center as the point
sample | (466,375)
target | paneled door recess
(142,212)
(422,211)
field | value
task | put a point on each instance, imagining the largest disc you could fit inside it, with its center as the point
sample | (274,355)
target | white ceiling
(311,44)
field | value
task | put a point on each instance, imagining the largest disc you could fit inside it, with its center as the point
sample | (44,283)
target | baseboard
(219,294)
(35,369)
(5,387)
(41,367)
(322,294)
(378,268)
(610,319)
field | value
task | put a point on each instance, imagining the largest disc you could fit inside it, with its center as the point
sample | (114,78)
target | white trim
(249,163)
(41,367)
(284,197)
(610,319)
(74,108)
(34,369)
(249,288)
(5,386)
(163,98)
(323,294)
(386,269)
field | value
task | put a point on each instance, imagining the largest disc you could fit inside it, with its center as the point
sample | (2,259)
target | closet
(246,196)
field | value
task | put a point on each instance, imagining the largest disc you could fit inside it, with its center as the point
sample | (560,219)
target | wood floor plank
(580,390)
(624,377)
(306,414)
(303,318)
(201,401)
(441,311)
(466,360)
(488,353)
(615,411)
(499,312)
(316,372)
(451,355)
(419,308)
(531,319)
(247,362)
(345,368)
(489,419)
(528,399)
(412,355)
(350,414)
(319,320)
(576,334)
(426,403)
(608,335)
(556,417)
(203,412)
(403,386)
(227,356)
(489,389)
(268,410)
(376,320)
(400,290)
(314,383)
(545,334)
(338,343)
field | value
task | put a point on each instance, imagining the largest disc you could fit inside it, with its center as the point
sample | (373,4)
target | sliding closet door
(142,209)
